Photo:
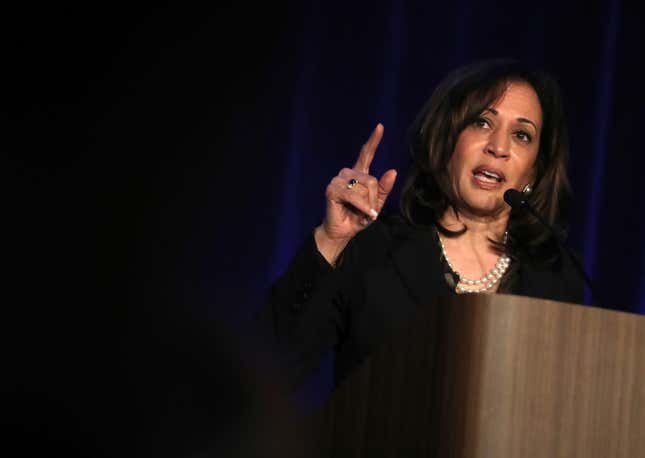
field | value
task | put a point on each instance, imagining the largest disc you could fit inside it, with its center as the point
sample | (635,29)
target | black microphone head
(515,198)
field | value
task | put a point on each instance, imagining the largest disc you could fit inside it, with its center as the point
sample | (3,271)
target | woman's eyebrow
(524,120)
(527,121)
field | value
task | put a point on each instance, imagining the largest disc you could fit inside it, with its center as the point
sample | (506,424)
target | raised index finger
(369,149)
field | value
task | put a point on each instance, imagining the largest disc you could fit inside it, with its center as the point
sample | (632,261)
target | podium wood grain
(496,376)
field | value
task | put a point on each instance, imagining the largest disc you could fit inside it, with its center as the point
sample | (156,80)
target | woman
(487,128)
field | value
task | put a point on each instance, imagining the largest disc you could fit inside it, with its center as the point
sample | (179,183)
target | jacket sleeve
(305,314)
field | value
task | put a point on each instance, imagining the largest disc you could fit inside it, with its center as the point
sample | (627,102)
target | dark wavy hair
(455,104)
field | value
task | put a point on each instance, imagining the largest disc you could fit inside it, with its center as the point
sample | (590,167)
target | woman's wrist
(330,248)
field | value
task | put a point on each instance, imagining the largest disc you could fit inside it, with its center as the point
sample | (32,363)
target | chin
(484,205)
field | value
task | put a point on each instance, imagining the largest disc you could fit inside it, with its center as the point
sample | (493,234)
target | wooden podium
(495,376)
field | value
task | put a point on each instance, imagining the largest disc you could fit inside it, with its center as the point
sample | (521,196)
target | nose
(497,145)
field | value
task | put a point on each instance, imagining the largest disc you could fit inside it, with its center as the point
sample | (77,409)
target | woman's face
(497,152)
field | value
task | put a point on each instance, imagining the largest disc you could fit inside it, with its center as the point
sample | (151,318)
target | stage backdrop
(199,141)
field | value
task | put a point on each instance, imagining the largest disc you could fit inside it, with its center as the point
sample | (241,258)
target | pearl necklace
(488,280)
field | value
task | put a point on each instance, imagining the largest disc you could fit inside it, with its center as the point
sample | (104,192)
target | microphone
(518,201)
(515,199)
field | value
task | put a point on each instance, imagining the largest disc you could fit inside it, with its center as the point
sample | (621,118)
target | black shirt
(382,278)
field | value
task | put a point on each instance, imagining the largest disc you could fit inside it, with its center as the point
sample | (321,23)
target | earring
(527,190)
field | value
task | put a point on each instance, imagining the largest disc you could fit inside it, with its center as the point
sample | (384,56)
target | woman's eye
(524,136)
(482,122)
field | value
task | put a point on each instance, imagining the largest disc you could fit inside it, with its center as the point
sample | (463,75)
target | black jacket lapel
(417,261)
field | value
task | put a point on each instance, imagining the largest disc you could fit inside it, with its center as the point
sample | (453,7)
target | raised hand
(354,199)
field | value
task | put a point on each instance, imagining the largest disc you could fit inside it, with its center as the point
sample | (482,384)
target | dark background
(165,162)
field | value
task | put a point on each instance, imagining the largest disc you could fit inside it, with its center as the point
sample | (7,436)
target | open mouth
(488,175)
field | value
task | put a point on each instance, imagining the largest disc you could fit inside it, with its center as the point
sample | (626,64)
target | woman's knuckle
(353,199)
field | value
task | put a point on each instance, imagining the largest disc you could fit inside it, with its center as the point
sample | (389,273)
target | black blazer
(385,274)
